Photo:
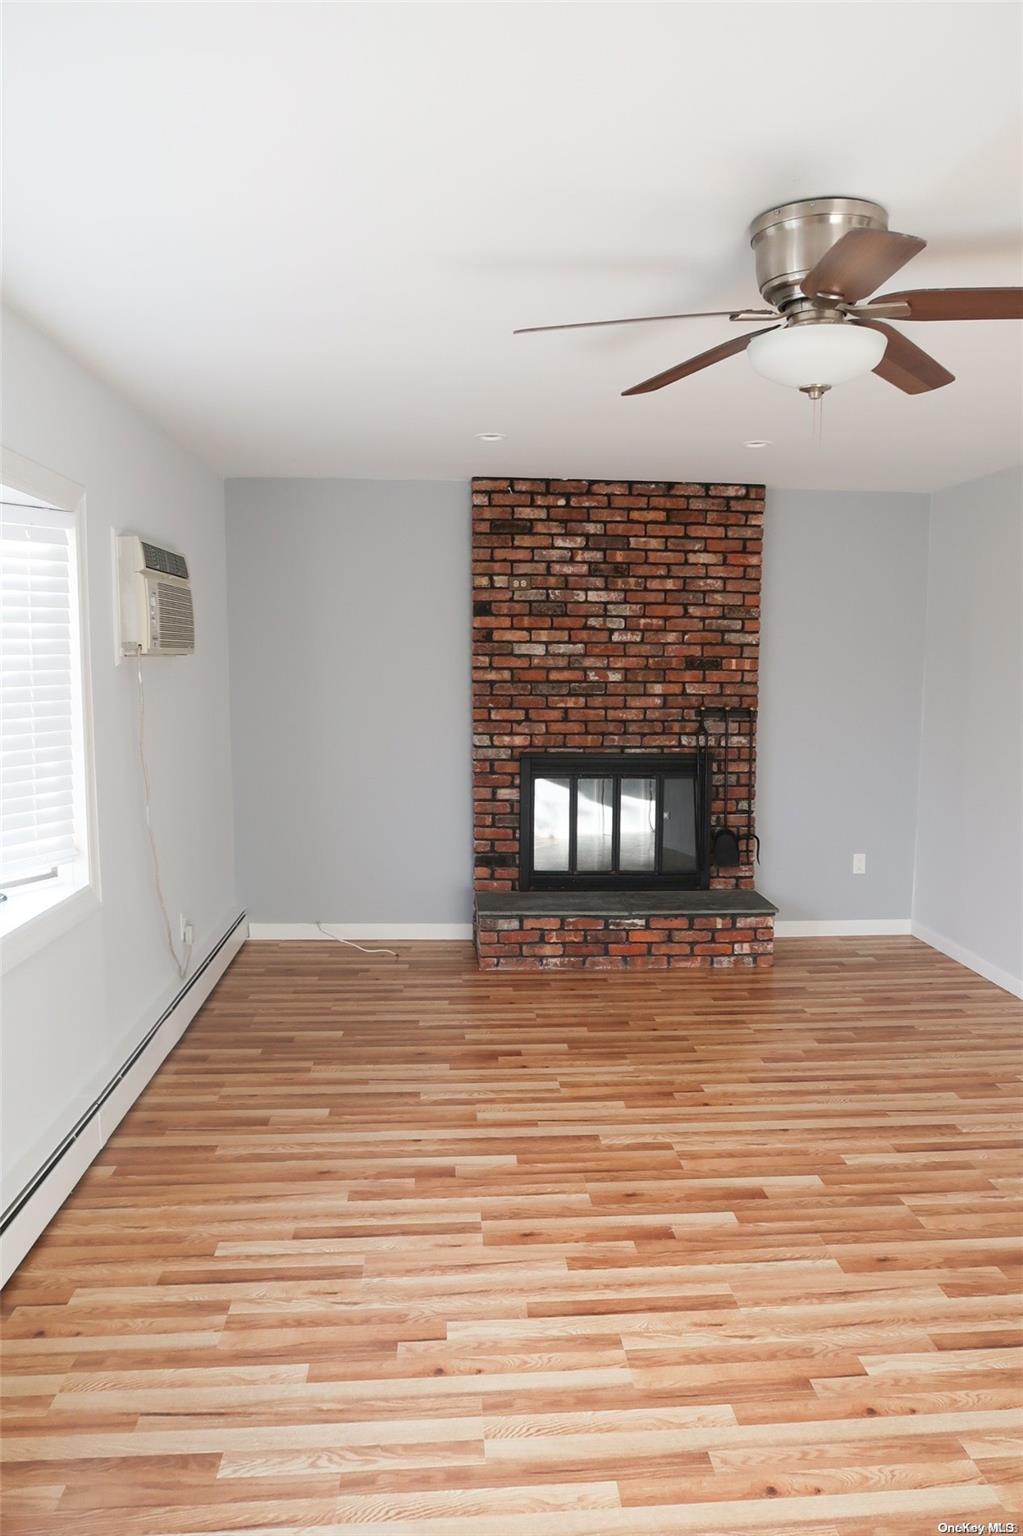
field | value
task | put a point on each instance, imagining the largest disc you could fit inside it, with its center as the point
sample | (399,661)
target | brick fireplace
(607,617)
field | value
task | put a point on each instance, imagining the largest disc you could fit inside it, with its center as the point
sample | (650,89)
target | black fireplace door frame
(576,765)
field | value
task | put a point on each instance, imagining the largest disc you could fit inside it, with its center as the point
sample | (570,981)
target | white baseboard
(361,931)
(972,961)
(35,1207)
(840,927)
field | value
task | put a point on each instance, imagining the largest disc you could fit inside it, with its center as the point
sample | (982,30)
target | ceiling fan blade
(694,364)
(905,365)
(959,303)
(699,314)
(859,262)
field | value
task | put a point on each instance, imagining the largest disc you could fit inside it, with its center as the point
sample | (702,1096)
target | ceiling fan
(817,260)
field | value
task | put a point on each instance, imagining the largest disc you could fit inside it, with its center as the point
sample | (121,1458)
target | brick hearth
(652,930)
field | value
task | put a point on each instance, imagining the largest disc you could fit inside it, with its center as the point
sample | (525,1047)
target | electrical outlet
(186,929)
(859,863)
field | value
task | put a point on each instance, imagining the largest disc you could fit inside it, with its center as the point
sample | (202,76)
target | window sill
(31,918)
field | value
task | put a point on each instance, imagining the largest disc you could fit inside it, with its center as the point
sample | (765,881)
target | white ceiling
(300,235)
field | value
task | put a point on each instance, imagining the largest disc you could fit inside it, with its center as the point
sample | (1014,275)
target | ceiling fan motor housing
(789,240)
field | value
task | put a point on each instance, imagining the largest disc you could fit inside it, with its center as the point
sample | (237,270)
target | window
(44,814)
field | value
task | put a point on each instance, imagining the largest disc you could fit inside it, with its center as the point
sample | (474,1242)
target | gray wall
(349,619)
(840,684)
(969,867)
(350,689)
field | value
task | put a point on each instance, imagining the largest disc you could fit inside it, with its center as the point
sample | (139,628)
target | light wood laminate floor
(394,1247)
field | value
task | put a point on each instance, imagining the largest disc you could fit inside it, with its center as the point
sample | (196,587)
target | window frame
(37,913)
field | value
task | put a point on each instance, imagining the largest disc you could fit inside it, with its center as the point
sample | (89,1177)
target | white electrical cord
(180,965)
(352,944)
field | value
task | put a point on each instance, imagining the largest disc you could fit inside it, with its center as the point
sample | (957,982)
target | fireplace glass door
(620,821)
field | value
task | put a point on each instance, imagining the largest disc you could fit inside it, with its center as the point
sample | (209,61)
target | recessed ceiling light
(491,437)
(757,442)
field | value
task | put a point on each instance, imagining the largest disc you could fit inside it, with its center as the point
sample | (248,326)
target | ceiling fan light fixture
(823,353)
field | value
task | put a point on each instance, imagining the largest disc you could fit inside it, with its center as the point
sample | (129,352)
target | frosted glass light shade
(804,355)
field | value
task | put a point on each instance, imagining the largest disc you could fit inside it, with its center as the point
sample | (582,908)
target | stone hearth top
(624,904)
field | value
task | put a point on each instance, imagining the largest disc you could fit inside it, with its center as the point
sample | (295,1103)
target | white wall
(968,898)
(72,1012)
(841,672)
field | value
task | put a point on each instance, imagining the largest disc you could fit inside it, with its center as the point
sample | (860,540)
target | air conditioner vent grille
(155,599)
(166,561)
(174,620)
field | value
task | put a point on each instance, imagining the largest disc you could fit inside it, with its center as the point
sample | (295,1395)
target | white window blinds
(39,661)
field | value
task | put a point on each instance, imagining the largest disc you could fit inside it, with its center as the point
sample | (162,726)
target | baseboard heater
(64,1146)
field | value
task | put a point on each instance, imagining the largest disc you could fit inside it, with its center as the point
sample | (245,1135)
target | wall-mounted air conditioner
(155,599)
